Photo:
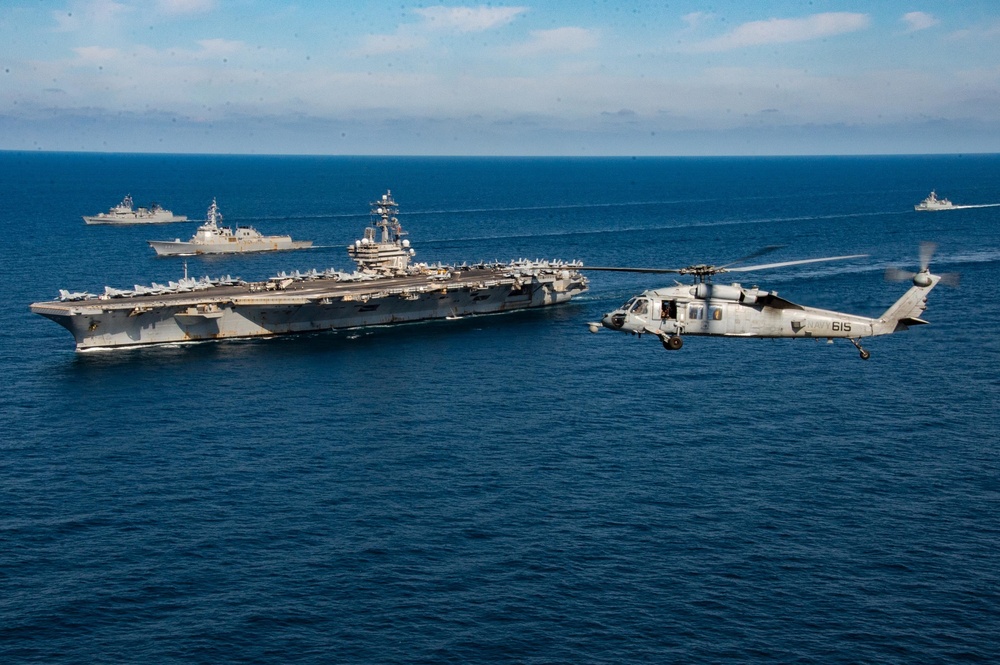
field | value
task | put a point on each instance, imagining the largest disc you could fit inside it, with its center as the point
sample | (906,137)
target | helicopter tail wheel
(865,355)
(673,342)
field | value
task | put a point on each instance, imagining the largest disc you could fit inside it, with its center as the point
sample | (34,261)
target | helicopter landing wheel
(865,355)
(673,342)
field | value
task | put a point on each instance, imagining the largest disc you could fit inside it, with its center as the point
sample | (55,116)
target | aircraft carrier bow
(386,289)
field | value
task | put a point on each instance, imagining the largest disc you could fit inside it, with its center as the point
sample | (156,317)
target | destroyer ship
(124,213)
(385,289)
(211,238)
(932,203)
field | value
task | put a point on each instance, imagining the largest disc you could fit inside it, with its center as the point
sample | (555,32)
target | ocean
(510,488)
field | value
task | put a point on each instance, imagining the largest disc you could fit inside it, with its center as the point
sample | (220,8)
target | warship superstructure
(124,213)
(211,238)
(385,289)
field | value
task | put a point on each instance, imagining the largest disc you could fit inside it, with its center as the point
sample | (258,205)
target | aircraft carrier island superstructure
(385,289)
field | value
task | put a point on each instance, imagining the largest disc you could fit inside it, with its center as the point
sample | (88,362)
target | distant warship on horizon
(124,213)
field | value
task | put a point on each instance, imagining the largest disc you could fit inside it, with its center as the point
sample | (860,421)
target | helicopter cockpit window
(715,313)
(640,307)
(695,312)
(628,306)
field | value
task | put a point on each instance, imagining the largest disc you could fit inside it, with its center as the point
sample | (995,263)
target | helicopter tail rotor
(950,279)
(927,249)
(893,274)
(907,311)
(926,252)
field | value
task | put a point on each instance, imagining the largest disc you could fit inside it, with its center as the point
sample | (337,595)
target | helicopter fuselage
(730,310)
(734,311)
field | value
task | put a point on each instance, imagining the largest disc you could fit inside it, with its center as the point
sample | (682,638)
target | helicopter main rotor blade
(760,252)
(706,270)
(767,266)
(616,269)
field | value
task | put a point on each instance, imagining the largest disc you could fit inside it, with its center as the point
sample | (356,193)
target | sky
(531,77)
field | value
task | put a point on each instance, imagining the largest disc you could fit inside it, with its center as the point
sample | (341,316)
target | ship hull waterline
(169,248)
(133,221)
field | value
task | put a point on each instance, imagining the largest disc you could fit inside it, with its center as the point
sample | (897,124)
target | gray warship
(385,289)
(124,213)
(932,203)
(211,238)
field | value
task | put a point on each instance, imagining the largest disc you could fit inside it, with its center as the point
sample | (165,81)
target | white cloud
(695,19)
(918,21)
(219,47)
(217,78)
(96,54)
(468,19)
(185,6)
(986,32)
(90,15)
(784,30)
(383,44)
(412,36)
(557,40)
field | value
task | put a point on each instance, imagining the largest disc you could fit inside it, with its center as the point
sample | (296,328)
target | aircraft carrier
(385,289)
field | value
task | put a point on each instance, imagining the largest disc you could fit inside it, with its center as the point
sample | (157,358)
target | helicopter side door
(738,312)
(707,317)
(696,321)
(671,315)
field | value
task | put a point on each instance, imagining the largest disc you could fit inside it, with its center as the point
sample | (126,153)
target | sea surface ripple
(508,488)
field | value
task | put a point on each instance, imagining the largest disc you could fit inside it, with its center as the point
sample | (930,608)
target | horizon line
(491,156)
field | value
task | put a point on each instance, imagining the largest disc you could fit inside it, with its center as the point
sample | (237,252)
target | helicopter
(732,310)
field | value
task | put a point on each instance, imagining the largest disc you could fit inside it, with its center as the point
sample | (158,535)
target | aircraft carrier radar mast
(389,254)
(384,217)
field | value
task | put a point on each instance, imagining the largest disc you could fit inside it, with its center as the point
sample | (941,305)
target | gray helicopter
(732,310)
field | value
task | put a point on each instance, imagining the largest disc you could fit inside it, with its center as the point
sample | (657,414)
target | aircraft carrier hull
(285,305)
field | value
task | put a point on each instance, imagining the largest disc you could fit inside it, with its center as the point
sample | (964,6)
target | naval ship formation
(385,289)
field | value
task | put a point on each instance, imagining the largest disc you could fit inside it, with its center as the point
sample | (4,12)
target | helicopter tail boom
(906,311)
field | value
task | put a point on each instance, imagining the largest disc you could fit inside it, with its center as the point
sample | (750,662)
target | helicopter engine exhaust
(733,293)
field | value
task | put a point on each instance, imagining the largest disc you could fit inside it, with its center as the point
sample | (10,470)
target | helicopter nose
(614,320)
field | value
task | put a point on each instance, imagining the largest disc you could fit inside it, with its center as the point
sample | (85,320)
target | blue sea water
(509,488)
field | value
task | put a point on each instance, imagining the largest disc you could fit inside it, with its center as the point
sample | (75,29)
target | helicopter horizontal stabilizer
(903,324)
